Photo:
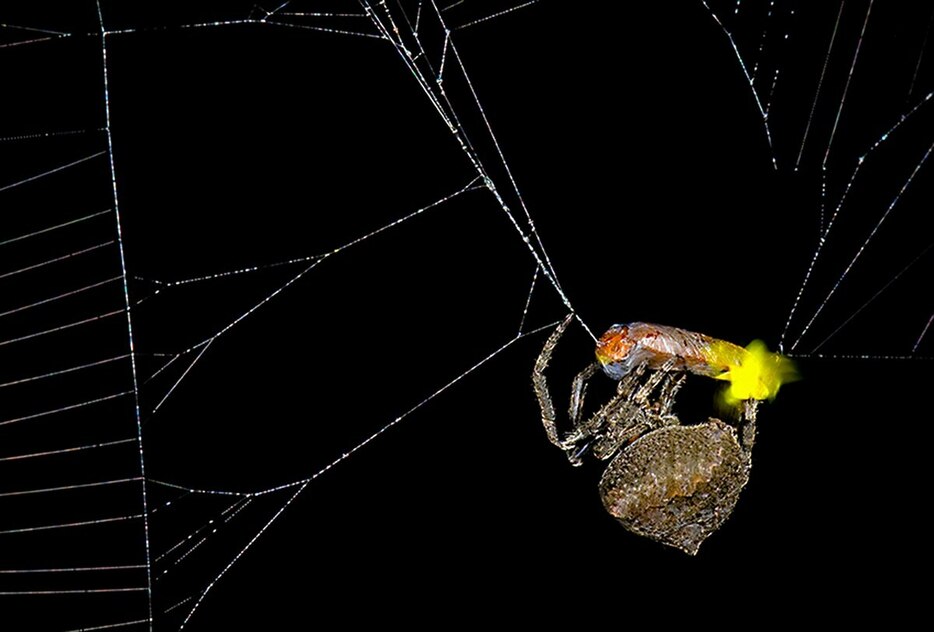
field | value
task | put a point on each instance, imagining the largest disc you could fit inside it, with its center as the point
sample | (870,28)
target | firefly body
(754,373)
(623,347)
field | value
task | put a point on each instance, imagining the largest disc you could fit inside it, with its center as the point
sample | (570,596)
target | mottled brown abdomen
(677,484)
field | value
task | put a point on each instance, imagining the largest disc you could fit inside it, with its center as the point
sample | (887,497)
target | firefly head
(614,351)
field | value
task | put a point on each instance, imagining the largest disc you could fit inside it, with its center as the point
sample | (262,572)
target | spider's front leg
(580,432)
(576,441)
(579,392)
(540,384)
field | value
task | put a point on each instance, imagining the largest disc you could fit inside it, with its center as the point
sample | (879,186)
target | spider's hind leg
(579,392)
(748,417)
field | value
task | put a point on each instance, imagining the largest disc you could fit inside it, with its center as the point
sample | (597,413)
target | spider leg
(591,433)
(748,416)
(579,391)
(642,395)
(631,381)
(580,437)
(571,441)
(667,393)
(540,384)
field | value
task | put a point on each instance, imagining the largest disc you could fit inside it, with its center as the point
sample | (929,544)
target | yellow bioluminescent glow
(758,375)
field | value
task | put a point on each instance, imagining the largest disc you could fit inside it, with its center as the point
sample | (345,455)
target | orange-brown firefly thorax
(623,347)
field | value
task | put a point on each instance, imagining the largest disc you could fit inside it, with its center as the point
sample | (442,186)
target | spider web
(309,212)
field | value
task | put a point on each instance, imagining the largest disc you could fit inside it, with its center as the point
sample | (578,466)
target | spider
(670,482)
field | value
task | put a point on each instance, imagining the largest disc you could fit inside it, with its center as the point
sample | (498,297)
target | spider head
(614,351)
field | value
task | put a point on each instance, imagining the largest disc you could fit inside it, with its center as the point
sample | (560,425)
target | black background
(640,153)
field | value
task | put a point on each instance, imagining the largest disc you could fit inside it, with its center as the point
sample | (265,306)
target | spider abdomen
(677,484)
